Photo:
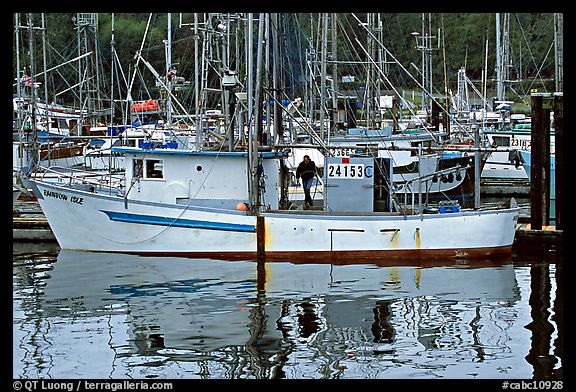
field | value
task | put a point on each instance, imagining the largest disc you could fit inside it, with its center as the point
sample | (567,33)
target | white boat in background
(51,119)
(64,154)
(508,163)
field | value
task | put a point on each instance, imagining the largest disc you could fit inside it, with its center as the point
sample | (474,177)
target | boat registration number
(349,171)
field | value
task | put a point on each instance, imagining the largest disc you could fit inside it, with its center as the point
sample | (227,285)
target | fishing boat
(515,143)
(178,201)
(177,196)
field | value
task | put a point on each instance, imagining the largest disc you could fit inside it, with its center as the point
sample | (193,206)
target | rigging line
(528,46)
(403,68)
(407,104)
(307,128)
(138,57)
(396,91)
(540,69)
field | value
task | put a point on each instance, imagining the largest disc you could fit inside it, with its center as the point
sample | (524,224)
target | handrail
(100,180)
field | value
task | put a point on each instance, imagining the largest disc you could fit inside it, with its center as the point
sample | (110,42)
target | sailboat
(177,200)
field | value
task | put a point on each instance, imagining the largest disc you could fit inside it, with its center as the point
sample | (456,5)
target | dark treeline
(461,43)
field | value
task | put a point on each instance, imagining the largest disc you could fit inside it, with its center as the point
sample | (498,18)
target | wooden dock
(536,243)
(31,229)
(504,187)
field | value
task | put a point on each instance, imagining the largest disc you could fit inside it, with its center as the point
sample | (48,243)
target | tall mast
(45,73)
(323,73)
(334,73)
(559,50)
(276,79)
(168,67)
(33,158)
(258,89)
(112,63)
(18,78)
(252,187)
(197,86)
(502,54)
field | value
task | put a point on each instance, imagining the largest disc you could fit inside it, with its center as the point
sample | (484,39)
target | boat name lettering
(349,171)
(62,196)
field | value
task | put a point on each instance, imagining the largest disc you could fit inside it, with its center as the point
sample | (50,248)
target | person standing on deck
(307,170)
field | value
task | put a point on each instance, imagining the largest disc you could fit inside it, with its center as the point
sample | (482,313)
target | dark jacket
(306,170)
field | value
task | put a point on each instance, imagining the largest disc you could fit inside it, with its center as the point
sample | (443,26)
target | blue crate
(449,209)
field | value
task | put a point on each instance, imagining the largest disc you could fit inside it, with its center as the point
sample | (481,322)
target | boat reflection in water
(123,316)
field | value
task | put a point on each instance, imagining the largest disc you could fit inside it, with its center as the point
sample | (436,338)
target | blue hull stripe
(176,222)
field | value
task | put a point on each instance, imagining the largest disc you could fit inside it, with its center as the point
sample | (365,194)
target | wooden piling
(559,147)
(260,236)
(540,161)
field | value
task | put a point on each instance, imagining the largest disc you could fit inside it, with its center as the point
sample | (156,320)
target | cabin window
(154,168)
(148,168)
(501,141)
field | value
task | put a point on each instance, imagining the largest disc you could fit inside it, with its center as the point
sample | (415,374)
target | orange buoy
(241,206)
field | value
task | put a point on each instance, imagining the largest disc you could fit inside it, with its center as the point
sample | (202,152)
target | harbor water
(83,315)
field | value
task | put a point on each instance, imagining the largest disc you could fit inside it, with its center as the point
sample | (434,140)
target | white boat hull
(90,221)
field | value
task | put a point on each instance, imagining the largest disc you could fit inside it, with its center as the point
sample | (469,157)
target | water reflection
(540,356)
(90,315)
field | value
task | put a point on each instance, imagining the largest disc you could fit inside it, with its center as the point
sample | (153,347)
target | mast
(252,186)
(278,137)
(258,89)
(197,86)
(270,134)
(33,157)
(113,51)
(45,73)
(498,57)
(168,67)
(334,74)
(323,73)
(276,80)
(502,54)
(559,50)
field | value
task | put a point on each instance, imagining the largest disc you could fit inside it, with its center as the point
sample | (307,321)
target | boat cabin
(217,179)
